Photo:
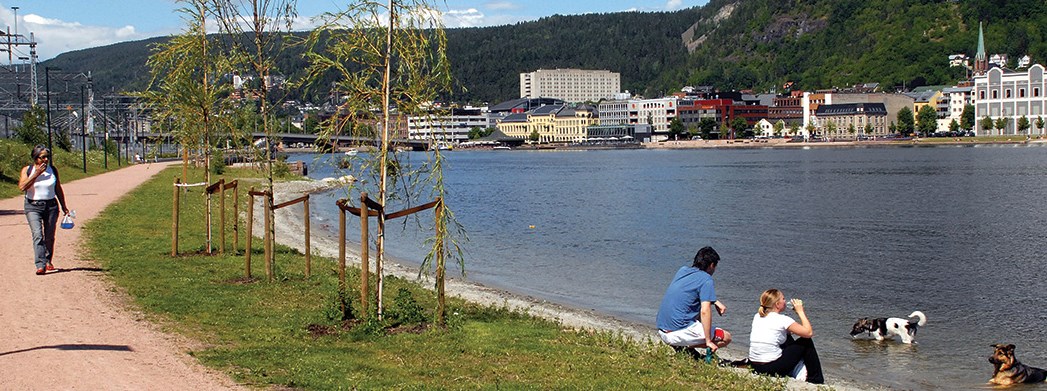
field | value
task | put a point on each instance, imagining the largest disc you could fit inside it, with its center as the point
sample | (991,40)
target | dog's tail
(918,314)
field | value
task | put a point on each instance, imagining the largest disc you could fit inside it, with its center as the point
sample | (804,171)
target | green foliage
(1023,124)
(406,309)
(534,136)
(954,126)
(986,123)
(1001,124)
(927,120)
(676,127)
(33,130)
(906,122)
(967,117)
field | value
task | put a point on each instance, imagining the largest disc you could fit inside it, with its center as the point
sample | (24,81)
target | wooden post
(174,220)
(341,259)
(441,310)
(268,208)
(221,216)
(365,267)
(236,217)
(308,240)
(250,228)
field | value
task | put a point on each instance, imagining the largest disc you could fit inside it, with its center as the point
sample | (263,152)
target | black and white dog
(881,328)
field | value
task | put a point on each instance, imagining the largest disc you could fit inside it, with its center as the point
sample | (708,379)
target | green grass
(14,155)
(259,332)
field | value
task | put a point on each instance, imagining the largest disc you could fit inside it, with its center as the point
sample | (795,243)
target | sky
(60,26)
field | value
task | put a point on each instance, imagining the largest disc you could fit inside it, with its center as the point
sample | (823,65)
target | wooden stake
(365,267)
(250,228)
(174,220)
(308,240)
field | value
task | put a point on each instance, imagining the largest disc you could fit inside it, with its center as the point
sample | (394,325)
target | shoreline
(783,143)
(289,229)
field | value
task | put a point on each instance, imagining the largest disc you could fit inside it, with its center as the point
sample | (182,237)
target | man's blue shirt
(683,298)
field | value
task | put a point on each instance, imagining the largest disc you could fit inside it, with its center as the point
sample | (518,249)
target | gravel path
(69,329)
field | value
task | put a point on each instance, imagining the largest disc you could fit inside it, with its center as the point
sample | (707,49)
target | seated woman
(772,349)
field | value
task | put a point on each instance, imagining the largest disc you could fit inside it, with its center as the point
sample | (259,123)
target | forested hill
(728,44)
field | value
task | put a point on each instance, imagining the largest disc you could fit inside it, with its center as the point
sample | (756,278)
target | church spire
(981,61)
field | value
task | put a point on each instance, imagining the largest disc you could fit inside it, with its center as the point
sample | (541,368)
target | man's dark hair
(705,258)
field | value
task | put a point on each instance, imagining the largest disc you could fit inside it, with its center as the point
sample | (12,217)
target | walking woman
(43,194)
(772,349)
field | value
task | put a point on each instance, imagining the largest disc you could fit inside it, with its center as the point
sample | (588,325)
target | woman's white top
(767,336)
(44,186)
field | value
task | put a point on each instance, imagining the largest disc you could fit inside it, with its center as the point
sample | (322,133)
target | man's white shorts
(693,335)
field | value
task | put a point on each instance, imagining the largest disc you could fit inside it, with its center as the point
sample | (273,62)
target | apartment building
(837,120)
(570,85)
(448,125)
(553,124)
(1007,94)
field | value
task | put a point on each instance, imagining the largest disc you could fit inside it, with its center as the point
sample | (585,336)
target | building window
(1007,93)
(981,94)
(1021,92)
(1036,92)
(995,94)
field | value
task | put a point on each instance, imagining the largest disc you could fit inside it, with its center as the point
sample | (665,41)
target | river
(957,232)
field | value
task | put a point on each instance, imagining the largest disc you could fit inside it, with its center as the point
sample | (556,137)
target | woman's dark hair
(37,150)
(705,258)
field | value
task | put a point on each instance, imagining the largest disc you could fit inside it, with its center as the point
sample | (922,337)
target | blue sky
(65,25)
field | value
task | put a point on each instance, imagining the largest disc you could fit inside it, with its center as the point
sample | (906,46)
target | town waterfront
(957,232)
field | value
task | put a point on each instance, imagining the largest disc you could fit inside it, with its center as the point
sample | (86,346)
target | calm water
(956,232)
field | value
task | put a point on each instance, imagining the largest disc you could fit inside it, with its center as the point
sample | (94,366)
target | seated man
(685,316)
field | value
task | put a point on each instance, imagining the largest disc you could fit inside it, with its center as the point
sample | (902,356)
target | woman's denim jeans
(42,217)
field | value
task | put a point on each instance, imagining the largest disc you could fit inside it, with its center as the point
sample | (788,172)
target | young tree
(927,120)
(1039,125)
(185,71)
(385,57)
(778,127)
(739,124)
(1001,124)
(830,128)
(676,128)
(706,126)
(868,129)
(1023,125)
(905,121)
(31,131)
(986,124)
(954,126)
(967,117)
(253,29)
(794,129)
(851,130)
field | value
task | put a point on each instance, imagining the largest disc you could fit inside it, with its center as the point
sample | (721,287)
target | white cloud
(55,36)
(463,18)
(673,4)
(501,5)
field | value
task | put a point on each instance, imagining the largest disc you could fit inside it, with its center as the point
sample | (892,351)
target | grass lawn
(289,333)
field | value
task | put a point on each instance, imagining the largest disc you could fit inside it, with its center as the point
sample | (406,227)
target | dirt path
(67,330)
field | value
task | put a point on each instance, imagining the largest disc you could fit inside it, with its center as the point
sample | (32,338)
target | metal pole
(105,132)
(83,128)
(47,85)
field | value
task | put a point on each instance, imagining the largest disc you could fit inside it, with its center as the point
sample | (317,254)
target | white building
(1010,95)
(955,99)
(570,85)
(656,112)
(450,125)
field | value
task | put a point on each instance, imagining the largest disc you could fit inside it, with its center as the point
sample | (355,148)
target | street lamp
(47,85)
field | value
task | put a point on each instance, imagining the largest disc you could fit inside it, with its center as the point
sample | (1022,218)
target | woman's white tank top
(44,187)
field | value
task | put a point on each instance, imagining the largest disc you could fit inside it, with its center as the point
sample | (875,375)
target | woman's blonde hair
(768,299)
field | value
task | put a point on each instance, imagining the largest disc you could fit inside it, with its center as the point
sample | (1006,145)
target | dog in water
(881,328)
(1007,370)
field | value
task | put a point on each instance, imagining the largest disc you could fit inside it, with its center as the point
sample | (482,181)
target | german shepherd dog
(881,328)
(1008,371)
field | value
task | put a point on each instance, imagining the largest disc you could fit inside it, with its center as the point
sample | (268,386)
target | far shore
(784,143)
